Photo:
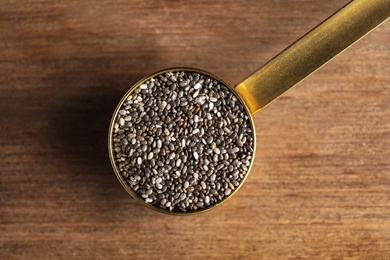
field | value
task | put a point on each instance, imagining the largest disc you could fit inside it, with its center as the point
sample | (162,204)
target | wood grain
(320,186)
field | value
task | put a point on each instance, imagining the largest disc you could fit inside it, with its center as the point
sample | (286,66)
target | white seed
(122,112)
(216,150)
(150,156)
(196,93)
(195,131)
(211,106)
(163,104)
(139,160)
(207,199)
(121,121)
(197,86)
(200,100)
(172,155)
(178,162)
(196,155)
(143,86)
(213,99)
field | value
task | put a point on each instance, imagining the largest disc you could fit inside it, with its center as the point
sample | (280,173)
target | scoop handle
(312,51)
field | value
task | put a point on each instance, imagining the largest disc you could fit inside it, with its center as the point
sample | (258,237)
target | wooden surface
(320,185)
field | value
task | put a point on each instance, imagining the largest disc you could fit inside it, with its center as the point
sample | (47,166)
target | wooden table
(320,185)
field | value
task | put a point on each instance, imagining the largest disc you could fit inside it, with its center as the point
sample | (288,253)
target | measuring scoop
(292,65)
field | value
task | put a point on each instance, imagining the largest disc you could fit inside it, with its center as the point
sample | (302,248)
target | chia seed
(182,141)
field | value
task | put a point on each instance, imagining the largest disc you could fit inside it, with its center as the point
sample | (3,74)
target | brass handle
(312,51)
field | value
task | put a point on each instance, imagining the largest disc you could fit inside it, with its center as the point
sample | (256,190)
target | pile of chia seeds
(182,141)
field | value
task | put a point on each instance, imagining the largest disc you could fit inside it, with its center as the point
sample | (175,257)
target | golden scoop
(292,65)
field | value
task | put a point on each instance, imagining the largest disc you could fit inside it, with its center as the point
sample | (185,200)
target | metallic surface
(312,51)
